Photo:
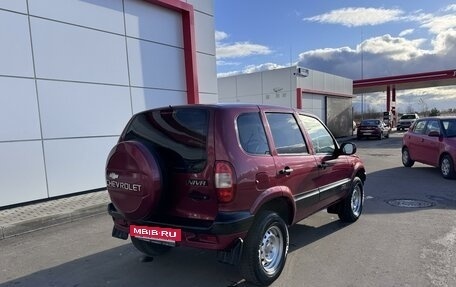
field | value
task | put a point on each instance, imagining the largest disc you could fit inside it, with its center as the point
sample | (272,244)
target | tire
(149,248)
(265,249)
(380,136)
(352,206)
(406,160)
(447,167)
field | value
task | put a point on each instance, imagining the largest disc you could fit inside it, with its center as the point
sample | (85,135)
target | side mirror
(434,134)
(348,148)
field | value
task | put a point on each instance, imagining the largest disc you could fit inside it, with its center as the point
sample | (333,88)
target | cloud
(237,49)
(395,48)
(219,36)
(450,8)
(225,63)
(350,17)
(252,69)
(439,24)
(240,49)
(406,32)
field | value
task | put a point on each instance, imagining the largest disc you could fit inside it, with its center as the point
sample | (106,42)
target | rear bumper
(368,133)
(218,234)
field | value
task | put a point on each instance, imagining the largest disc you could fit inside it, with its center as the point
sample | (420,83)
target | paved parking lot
(406,237)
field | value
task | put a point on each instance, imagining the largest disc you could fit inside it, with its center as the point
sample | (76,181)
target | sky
(353,39)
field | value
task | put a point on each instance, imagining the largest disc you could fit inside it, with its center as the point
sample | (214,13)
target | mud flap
(233,255)
(119,233)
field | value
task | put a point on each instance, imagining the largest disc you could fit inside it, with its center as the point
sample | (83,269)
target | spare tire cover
(134,179)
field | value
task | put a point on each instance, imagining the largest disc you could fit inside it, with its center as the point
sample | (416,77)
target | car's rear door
(430,146)
(414,140)
(296,168)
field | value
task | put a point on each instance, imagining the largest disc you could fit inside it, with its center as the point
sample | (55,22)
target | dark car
(372,128)
(431,141)
(406,121)
(230,178)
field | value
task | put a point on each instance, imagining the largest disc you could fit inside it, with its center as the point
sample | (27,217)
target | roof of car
(231,106)
(439,117)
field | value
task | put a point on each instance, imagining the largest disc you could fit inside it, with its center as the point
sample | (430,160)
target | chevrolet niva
(231,178)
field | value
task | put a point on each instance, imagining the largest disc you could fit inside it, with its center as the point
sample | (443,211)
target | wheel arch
(277,200)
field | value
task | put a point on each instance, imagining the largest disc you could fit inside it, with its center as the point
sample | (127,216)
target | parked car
(372,128)
(230,178)
(406,120)
(431,141)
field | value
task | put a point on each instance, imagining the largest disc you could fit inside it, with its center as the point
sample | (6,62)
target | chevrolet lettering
(123,185)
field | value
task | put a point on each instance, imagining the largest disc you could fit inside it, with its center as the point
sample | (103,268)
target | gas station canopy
(405,82)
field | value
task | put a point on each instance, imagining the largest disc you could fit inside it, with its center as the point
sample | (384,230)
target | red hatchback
(431,141)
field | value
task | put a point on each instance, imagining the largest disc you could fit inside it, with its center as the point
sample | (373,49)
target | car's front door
(335,172)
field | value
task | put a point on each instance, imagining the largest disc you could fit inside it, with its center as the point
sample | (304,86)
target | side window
(287,136)
(420,127)
(251,134)
(321,139)
(450,127)
(433,126)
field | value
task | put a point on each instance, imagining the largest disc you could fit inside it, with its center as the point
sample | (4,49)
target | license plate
(367,134)
(156,233)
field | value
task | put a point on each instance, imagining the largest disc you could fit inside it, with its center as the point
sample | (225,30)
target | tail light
(224,183)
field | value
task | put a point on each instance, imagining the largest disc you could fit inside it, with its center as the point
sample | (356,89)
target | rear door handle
(286,170)
(323,165)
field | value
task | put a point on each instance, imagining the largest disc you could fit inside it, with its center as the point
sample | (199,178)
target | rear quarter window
(252,136)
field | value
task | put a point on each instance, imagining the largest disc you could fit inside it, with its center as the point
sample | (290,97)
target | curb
(39,223)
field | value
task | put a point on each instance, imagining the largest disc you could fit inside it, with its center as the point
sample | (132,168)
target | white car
(406,120)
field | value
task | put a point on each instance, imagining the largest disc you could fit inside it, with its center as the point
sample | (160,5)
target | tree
(434,112)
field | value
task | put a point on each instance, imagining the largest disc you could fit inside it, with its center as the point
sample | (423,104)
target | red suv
(431,141)
(231,178)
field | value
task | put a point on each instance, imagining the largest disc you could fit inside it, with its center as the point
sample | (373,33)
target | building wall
(73,72)
(324,95)
(275,87)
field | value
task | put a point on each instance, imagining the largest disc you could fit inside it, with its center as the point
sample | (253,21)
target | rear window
(177,136)
(370,123)
(408,117)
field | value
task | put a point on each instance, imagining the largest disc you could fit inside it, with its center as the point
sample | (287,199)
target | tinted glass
(321,138)
(449,126)
(433,126)
(370,123)
(408,117)
(286,133)
(177,136)
(251,134)
(420,127)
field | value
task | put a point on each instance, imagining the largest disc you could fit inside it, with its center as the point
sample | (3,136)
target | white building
(325,95)
(72,73)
